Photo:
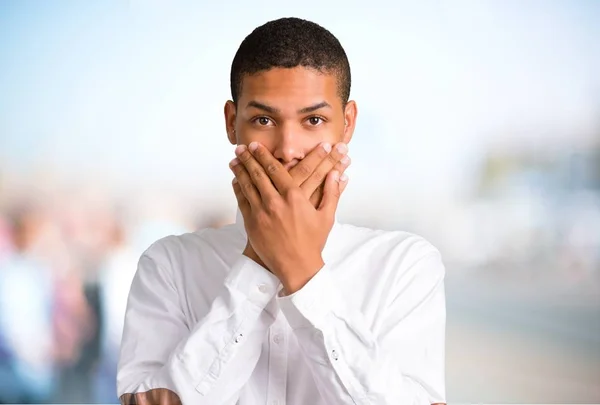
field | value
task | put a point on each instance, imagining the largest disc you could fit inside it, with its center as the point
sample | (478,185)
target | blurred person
(73,321)
(287,305)
(87,229)
(115,276)
(26,310)
(215,220)
(5,239)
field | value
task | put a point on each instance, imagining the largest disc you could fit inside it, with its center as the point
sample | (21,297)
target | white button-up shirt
(208,325)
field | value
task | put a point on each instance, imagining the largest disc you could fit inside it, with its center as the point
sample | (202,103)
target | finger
(245,183)
(272,167)
(343,183)
(315,198)
(243,203)
(257,173)
(341,167)
(306,166)
(334,186)
(324,168)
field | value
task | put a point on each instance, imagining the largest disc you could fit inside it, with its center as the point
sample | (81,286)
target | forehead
(290,86)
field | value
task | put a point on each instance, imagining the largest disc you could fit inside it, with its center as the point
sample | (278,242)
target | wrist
(297,274)
(251,254)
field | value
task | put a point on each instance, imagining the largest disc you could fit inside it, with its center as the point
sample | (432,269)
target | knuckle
(332,160)
(237,169)
(256,173)
(295,194)
(262,219)
(245,157)
(321,175)
(272,168)
(304,170)
(273,205)
(247,188)
(340,165)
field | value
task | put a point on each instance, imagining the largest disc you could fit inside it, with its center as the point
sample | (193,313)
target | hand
(285,230)
(310,174)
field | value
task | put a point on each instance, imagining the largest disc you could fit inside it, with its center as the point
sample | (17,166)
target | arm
(164,360)
(403,363)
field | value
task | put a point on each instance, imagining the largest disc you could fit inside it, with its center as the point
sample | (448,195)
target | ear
(230,113)
(350,114)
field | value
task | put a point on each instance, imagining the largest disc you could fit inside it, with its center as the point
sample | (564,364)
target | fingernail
(341,148)
(234,162)
(345,160)
(343,178)
(240,149)
(234,181)
(253,146)
(327,147)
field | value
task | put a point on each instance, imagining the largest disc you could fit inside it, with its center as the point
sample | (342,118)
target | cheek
(245,137)
(312,140)
(333,135)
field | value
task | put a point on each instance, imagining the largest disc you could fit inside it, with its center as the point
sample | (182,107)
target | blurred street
(478,129)
(533,349)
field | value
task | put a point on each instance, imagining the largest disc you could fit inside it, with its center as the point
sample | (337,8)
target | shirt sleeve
(402,363)
(164,360)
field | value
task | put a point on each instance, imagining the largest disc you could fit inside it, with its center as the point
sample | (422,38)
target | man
(27,298)
(287,306)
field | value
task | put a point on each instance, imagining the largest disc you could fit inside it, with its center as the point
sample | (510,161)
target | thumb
(334,186)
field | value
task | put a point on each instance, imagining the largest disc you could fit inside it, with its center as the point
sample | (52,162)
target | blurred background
(479,129)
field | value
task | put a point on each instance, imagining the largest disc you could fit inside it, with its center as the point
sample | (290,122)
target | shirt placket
(278,348)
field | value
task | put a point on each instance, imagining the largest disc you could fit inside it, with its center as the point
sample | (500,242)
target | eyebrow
(261,106)
(322,104)
(273,110)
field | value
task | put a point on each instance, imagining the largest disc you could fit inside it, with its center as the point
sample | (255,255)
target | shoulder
(175,252)
(387,241)
(404,252)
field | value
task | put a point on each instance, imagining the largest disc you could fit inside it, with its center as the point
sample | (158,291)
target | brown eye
(314,121)
(264,121)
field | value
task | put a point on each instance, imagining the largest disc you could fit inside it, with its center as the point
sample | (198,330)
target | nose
(289,148)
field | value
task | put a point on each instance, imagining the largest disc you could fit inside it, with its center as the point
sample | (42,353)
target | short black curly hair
(287,43)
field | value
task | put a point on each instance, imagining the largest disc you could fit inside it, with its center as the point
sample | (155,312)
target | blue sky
(129,87)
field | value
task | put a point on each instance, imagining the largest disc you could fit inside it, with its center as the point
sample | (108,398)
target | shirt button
(277,339)
(334,355)
(238,338)
(263,288)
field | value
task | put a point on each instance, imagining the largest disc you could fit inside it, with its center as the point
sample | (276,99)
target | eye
(263,121)
(315,120)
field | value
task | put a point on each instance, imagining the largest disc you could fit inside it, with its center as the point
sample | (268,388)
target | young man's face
(290,111)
